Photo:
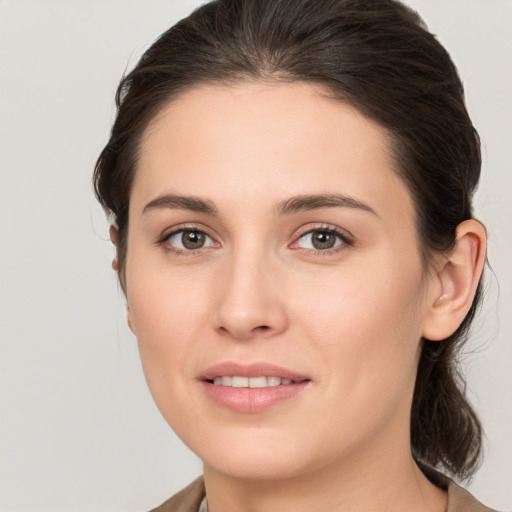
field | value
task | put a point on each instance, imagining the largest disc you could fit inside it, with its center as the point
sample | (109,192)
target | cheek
(383,296)
(162,299)
(168,312)
(366,333)
(161,311)
(366,323)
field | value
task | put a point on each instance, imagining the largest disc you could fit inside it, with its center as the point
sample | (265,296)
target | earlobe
(114,233)
(114,236)
(129,320)
(455,282)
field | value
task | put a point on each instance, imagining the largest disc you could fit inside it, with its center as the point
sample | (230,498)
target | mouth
(239,381)
(251,388)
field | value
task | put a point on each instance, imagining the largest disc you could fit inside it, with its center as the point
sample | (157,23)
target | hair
(378,56)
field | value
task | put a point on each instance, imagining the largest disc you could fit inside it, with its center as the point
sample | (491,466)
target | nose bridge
(248,299)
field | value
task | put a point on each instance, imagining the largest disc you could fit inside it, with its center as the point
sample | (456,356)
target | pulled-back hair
(378,56)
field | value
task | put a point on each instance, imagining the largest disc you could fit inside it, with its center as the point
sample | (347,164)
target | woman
(291,184)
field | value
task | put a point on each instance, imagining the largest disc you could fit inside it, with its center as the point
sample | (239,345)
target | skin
(350,318)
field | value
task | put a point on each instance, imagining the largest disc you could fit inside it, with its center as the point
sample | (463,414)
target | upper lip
(258,369)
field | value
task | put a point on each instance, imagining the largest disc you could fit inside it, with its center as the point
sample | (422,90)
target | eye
(321,240)
(189,240)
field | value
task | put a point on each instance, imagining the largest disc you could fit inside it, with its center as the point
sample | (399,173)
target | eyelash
(346,241)
(182,252)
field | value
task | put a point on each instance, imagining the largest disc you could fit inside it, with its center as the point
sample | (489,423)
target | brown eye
(321,240)
(189,240)
(193,239)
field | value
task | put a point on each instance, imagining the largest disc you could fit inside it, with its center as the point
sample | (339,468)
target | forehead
(252,114)
(257,140)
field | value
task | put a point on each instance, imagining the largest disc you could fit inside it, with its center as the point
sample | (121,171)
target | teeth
(237,381)
(240,382)
(273,381)
(258,382)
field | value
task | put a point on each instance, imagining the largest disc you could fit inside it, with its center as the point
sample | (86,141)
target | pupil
(323,240)
(192,239)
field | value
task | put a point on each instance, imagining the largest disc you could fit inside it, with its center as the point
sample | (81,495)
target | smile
(251,388)
(237,381)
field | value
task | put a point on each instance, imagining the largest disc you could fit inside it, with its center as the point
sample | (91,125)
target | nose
(249,302)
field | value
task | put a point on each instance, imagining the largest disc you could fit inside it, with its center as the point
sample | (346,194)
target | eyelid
(174,230)
(186,226)
(346,238)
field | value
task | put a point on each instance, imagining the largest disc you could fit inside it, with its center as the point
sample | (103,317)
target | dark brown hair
(376,55)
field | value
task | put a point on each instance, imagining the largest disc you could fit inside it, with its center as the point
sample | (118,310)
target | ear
(454,282)
(129,320)
(114,237)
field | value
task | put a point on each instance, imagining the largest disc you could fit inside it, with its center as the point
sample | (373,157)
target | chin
(254,454)
(246,467)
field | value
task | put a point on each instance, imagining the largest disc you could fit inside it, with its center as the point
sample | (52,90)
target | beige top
(191,498)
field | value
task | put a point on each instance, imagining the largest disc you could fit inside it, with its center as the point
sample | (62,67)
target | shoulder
(460,500)
(187,500)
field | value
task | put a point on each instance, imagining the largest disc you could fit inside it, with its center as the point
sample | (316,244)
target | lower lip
(251,400)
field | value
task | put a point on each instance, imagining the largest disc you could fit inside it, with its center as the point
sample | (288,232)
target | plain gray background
(78,428)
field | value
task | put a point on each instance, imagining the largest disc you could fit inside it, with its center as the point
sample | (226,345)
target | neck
(391,481)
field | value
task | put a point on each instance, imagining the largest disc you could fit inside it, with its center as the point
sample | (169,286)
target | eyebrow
(292,205)
(176,202)
(313,202)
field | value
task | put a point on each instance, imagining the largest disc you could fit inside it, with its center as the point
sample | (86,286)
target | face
(274,281)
